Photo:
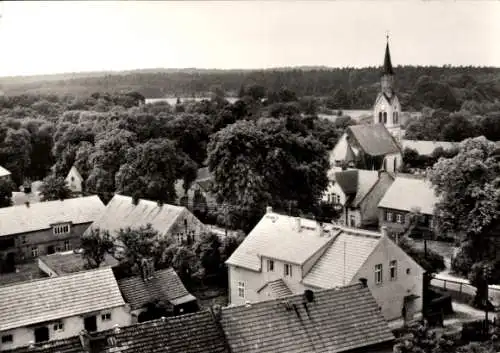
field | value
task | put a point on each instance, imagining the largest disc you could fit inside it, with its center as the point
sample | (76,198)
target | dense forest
(418,86)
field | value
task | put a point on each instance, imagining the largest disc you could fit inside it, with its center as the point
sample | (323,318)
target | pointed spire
(387,60)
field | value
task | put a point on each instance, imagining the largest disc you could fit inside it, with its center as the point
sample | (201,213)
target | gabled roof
(41,215)
(28,303)
(278,288)
(356,183)
(75,172)
(337,320)
(407,194)
(121,213)
(165,285)
(425,148)
(342,151)
(190,333)
(4,172)
(343,258)
(70,262)
(375,139)
(279,237)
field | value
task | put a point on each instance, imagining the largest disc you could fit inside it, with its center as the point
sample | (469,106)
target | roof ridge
(53,201)
(148,201)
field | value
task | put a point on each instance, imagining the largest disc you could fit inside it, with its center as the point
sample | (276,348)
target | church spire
(387,60)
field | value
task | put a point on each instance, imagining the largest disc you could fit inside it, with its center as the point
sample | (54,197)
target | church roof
(387,61)
(374,140)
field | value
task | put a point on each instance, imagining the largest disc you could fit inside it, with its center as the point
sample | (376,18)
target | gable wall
(369,206)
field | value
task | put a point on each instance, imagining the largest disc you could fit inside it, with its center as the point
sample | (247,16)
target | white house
(285,254)
(60,307)
(75,180)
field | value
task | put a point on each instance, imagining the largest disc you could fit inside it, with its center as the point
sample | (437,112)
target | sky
(44,37)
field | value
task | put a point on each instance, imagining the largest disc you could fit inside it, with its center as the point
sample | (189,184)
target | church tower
(387,109)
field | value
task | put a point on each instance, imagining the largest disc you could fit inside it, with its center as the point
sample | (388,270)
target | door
(408,309)
(50,249)
(90,323)
(41,334)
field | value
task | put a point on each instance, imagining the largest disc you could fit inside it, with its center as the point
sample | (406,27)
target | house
(426,148)
(67,262)
(5,174)
(332,320)
(296,253)
(28,231)
(175,222)
(60,307)
(191,333)
(370,147)
(408,194)
(29,193)
(156,286)
(358,192)
(199,196)
(75,181)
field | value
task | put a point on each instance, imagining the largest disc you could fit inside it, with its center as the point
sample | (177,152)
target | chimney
(85,340)
(309,295)
(364,282)
(147,269)
(216,312)
(27,203)
(383,230)
(269,209)
(299,226)
(321,229)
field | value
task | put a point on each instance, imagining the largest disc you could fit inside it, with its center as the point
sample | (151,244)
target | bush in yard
(432,262)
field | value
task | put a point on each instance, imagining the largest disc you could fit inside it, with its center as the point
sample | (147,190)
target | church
(376,146)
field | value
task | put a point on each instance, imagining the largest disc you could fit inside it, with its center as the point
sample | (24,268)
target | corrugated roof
(54,298)
(3,172)
(122,213)
(165,285)
(375,139)
(277,236)
(407,194)
(338,320)
(70,262)
(39,216)
(190,333)
(425,148)
(343,259)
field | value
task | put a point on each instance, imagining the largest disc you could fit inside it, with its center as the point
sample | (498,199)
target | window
(395,164)
(397,117)
(34,251)
(72,178)
(241,289)
(385,117)
(67,245)
(431,223)
(270,266)
(288,270)
(24,239)
(106,317)
(399,218)
(408,271)
(58,326)
(7,339)
(389,217)
(61,229)
(352,219)
(378,274)
(380,117)
(393,270)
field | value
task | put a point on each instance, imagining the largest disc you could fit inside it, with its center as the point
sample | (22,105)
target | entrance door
(408,309)
(41,334)
(90,323)
(50,249)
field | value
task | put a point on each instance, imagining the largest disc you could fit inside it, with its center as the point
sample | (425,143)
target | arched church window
(395,164)
(385,117)
(397,117)
(380,117)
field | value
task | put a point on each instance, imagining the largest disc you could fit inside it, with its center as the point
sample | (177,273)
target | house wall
(72,327)
(347,214)
(74,182)
(193,225)
(337,155)
(397,228)
(25,242)
(390,294)
(389,162)
(368,207)
(334,189)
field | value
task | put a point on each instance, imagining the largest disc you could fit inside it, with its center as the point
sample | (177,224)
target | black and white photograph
(250,176)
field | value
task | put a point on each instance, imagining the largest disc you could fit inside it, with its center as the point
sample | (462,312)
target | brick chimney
(299,225)
(269,209)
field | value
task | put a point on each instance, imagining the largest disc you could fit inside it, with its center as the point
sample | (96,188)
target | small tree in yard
(54,188)
(95,246)
(6,187)
(207,249)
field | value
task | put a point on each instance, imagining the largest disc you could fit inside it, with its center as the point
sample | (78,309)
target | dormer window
(61,229)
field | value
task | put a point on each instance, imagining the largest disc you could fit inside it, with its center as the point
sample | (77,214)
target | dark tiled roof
(62,263)
(387,61)
(347,180)
(337,320)
(165,285)
(375,139)
(190,333)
